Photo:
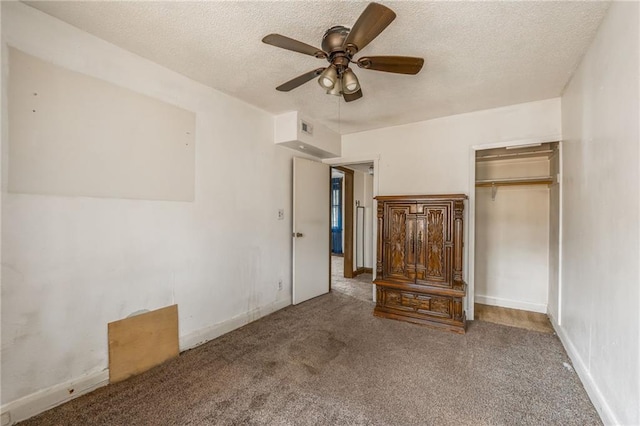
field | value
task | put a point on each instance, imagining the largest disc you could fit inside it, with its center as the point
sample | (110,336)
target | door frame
(375,159)
(347,221)
(470,234)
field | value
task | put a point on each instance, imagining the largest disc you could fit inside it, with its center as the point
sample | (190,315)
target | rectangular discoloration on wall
(75,135)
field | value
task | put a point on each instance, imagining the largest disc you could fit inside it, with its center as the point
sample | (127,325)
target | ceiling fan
(339,45)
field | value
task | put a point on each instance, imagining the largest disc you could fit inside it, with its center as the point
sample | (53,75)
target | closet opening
(517,219)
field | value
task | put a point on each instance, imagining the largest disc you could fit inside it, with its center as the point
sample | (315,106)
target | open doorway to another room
(337,212)
(352,230)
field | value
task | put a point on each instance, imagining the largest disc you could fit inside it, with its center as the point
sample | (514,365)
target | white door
(311,191)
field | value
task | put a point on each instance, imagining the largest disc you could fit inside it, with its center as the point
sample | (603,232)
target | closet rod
(546,153)
(542,180)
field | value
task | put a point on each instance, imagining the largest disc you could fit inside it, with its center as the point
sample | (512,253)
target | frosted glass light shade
(337,89)
(328,77)
(350,82)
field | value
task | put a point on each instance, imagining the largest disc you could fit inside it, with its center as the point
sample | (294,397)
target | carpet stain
(258,401)
(268,369)
(311,369)
(316,350)
(223,405)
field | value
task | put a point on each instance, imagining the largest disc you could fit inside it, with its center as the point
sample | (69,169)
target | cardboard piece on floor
(141,342)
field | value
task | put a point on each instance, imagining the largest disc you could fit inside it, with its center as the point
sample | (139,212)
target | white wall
(358,195)
(368,221)
(129,132)
(436,156)
(431,157)
(601,215)
(72,264)
(553,302)
(512,237)
(322,137)
(322,142)
(363,192)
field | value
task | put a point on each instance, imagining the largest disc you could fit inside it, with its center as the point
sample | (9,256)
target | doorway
(352,230)
(342,218)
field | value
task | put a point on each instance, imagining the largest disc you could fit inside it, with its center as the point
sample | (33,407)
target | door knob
(297,234)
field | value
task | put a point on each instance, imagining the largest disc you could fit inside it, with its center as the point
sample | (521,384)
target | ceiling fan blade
(353,96)
(396,64)
(369,25)
(294,45)
(299,80)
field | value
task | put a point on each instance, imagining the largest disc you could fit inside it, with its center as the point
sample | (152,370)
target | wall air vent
(293,130)
(306,128)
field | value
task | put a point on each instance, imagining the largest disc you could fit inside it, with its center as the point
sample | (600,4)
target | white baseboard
(45,399)
(203,335)
(597,399)
(513,304)
(42,400)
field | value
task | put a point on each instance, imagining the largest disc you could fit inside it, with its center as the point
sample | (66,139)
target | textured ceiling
(478,55)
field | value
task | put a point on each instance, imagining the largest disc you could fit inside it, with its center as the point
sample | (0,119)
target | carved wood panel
(458,244)
(434,262)
(399,227)
(435,243)
(380,242)
(440,306)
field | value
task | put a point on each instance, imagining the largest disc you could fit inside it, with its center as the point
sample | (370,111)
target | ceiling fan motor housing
(332,43)
(333,38)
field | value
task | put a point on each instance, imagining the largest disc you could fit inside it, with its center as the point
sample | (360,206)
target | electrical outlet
(280,214)
(279,285)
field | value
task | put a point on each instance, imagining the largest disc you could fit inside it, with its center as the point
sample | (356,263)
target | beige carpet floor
(330,361)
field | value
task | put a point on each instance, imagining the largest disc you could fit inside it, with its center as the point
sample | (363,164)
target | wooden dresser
(419,262)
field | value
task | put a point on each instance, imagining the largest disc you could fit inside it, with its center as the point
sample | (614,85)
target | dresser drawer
(420,303)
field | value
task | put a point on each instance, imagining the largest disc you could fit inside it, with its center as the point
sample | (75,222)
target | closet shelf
(540,180)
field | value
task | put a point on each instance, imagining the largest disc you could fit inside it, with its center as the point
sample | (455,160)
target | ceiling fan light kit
(339,45)
(336,90)
(350,82)
(328,77)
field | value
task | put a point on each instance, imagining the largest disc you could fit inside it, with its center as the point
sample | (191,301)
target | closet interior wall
(515,227)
